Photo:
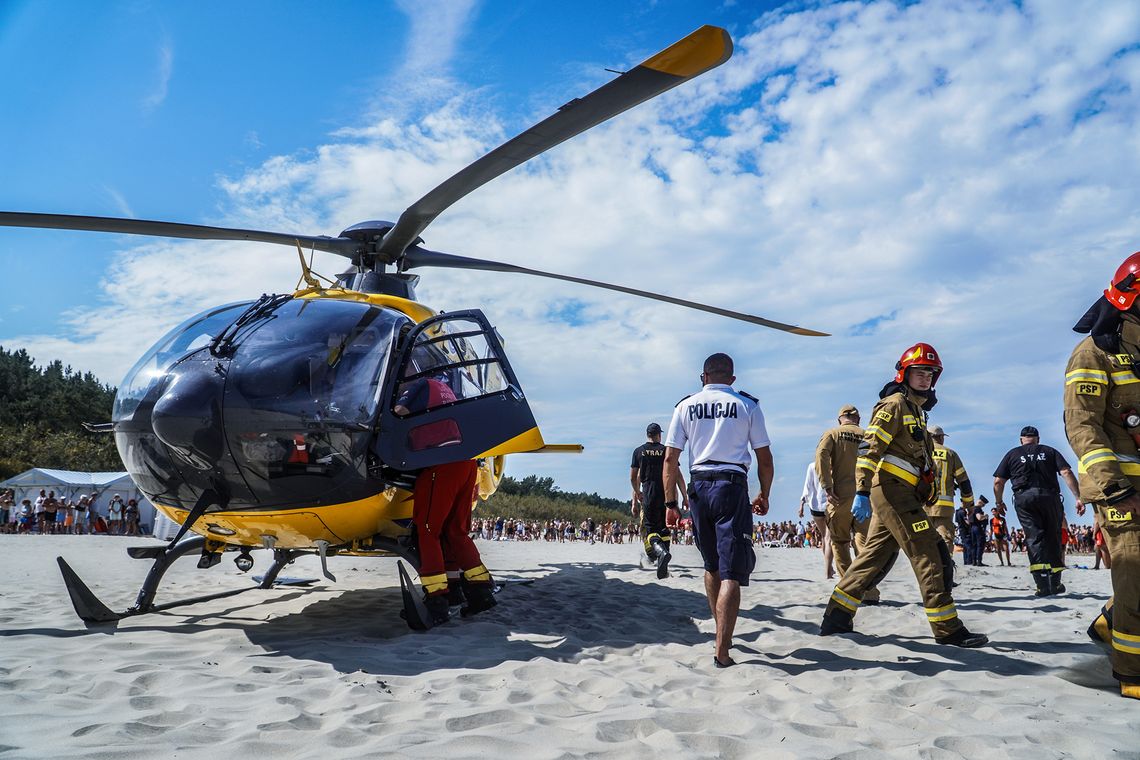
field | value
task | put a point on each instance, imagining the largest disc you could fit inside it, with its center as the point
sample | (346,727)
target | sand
(596,658)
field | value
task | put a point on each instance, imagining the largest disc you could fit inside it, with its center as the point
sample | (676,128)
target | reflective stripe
(900,469)
(1126,642)
(478,574)
(1085,375)
(866,464)
(1129,465)
(939,614)
(944,502)
(1058,569)
(845,600)
(434,583)
(908,419)
(1127,377)
(881,434)
(959,472)
(1035,568)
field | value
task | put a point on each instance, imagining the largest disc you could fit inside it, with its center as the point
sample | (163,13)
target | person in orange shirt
(1000,532)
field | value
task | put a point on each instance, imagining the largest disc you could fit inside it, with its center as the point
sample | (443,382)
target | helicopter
(271,423)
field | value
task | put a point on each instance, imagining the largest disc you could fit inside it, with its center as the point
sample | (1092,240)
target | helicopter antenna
(308,276)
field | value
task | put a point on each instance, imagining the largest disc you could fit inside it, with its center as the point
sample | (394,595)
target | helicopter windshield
(317,360)
(191,335)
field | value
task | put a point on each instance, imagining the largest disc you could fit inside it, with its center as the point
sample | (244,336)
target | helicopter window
(316,360)
(450,362)
(191,335)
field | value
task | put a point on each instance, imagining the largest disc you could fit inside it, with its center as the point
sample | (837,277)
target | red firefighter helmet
(1124,288)
(918,355)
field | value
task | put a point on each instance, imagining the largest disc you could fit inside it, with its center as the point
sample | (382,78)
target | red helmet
(918,355)
(1123,289)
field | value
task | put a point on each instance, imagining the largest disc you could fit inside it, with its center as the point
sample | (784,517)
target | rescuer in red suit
(444,494)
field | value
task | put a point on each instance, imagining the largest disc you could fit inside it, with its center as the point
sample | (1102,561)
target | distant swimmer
(835,464)
(722,428)
(1102,421)
(646,476)
(894,482)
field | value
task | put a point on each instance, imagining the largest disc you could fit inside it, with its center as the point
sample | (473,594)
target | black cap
(1030,432)
(653,429)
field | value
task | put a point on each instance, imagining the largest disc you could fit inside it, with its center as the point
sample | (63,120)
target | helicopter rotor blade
(704,49)
(342,246)
(417,256)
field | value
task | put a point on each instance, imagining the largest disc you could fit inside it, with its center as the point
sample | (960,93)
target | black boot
(455,597)
(1043,580)
(1055,584)
(480,597)
(963,638)
(660,555)
(836,620)
(437,607)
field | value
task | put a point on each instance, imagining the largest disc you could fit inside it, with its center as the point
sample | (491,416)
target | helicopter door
(452,395)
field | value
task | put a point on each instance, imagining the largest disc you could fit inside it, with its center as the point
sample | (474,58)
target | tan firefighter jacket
(896,443)
(835,460)
(951,474)
(1099,389)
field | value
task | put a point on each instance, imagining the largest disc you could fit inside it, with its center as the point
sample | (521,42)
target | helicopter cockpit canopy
(318,361)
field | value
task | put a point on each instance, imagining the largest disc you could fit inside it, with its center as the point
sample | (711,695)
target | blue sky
(963,173)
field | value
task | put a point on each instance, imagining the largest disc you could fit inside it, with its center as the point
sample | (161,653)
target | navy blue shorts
(722,527)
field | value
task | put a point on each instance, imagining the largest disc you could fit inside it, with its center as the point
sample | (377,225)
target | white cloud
(120,201)
(966,169)
(165,69)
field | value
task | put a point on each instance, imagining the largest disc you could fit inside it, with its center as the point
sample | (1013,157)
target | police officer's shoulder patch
(749,396)
(682,400)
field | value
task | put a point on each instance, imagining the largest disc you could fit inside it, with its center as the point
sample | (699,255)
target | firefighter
(950,475)
(441,511)
(894,482)
(1102,398)
(835,465)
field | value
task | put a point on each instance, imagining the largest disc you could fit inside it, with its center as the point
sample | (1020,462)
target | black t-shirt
(649,461)
(1033,465)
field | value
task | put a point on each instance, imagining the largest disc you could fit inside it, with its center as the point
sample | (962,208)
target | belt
(732,477)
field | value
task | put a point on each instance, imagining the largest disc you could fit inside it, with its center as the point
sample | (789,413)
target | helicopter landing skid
(91,610)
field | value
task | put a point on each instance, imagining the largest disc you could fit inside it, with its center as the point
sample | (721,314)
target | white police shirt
(721,427)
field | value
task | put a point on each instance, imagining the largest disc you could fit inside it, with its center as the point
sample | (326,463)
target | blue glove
(861,507)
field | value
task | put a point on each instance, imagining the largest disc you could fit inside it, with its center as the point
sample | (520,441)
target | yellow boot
(1130,690)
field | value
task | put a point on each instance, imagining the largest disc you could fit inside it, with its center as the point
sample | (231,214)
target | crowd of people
(49,514)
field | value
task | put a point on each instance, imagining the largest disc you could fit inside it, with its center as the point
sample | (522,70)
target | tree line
(538,498)
(42,411)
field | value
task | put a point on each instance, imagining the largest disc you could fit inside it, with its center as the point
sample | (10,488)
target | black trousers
(653,514)
(1040,514)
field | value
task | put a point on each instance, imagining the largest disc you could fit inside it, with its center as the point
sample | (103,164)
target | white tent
(72,485)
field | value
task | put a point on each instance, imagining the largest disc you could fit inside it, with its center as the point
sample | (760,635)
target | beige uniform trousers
(944,524)
(1121,531)
(898,521)
(842,527)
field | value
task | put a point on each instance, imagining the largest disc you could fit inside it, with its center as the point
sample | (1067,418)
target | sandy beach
(596,658)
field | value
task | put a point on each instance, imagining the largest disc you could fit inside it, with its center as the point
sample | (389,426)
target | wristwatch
(671,504)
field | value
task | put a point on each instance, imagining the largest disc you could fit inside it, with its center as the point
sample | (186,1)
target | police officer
(1032,469)
(962,521)
(894,482)
(646,476)
(721,427)
(950,475)
(978,524)
(1102,396)
(835,464)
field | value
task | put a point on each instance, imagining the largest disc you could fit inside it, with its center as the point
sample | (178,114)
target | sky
(961,173)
